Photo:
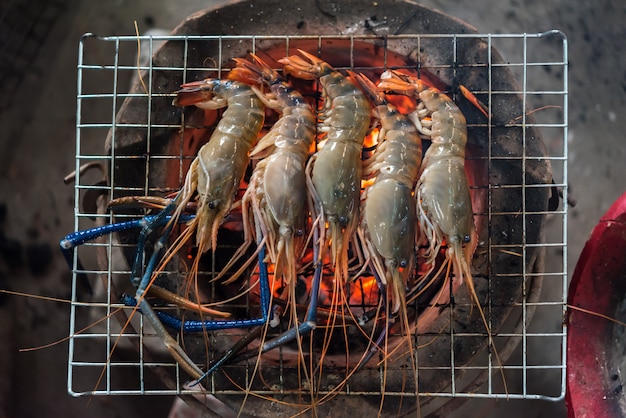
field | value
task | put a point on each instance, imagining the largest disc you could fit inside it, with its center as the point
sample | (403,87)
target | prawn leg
(147,223)
(176,351)
(265,296)
(73,240)
(310,322)
(293,333)
(173,347)
(156,318)
(213,325)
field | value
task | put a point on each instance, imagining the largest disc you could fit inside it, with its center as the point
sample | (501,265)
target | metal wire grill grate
(516,232)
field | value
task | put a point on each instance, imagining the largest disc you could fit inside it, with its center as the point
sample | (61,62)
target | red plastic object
(595,346)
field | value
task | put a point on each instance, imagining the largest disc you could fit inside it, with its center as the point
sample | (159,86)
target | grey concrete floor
(37,143)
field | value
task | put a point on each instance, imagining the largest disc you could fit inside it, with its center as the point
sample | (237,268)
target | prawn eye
(212,204)
(343,220)
(299,232)
(467,239)
(403,263)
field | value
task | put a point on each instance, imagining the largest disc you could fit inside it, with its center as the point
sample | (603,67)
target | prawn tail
(255,73)
(369,88)
(308,68)
(192,94)
(267,73)
(246,72)
(395,82)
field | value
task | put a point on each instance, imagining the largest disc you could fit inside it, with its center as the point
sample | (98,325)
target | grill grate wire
(106,66)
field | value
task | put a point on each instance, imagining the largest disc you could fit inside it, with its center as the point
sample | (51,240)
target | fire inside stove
(151,144)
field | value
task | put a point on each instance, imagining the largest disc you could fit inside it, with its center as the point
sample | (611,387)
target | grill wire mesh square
(108,359)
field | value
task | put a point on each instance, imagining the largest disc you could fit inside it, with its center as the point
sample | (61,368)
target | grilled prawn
(337,167)
(389,211)
(218,168)
(277,188)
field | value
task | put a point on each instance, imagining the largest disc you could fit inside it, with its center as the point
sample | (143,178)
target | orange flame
(372,138)
(404,104)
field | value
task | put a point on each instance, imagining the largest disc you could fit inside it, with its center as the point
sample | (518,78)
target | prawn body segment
(448,133)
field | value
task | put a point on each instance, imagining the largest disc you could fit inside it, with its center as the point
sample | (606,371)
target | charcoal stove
(512,174)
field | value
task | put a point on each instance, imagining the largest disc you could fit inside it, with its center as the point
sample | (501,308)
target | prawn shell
(391,221)
(337,170)
(222,162)
(449,131)
(215,183)
(292,133)
(398,157)
(338,184)
(446,199)
(282,173)
(284,182)
(349,116)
